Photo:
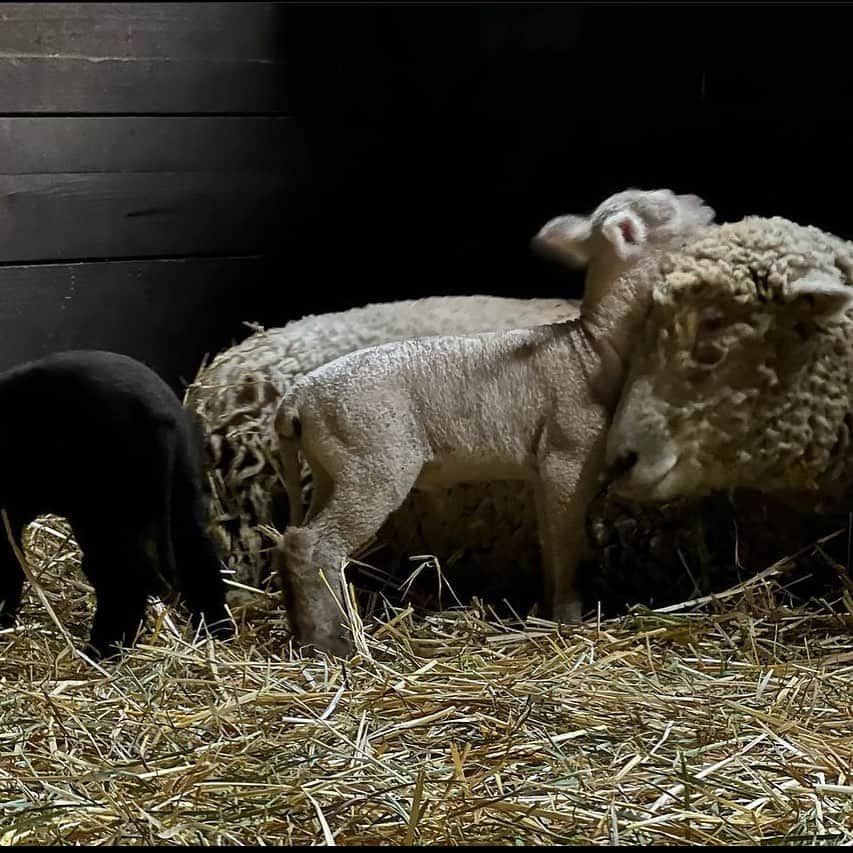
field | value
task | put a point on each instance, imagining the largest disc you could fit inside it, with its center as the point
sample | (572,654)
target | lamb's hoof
(335,646)
(568,613)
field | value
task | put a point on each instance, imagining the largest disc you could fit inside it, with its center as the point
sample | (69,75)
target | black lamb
(102,440)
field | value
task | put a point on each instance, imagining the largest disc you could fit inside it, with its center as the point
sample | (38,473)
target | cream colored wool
(744,375)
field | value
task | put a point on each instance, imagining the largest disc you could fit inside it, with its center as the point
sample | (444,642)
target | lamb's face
(623,227)
(732,389)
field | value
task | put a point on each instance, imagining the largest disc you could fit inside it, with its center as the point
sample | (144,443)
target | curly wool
(774,413)
(754,258)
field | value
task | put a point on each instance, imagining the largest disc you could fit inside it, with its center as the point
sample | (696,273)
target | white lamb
(236,397)
(529,404)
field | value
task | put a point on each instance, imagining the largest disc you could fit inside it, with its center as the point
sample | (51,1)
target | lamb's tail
(287,423)
(288,428)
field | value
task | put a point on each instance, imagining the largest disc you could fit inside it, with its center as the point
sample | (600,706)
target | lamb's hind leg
(356,508)
(187,542)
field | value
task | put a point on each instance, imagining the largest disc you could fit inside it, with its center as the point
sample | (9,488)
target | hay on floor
(727,721)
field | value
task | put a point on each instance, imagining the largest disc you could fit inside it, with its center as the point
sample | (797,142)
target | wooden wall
(146,158)
(169,170)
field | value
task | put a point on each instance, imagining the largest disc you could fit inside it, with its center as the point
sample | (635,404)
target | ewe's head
(743,374)
(623,227)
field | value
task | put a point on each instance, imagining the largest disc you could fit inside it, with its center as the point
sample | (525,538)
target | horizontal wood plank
(47,144)
(86,216)
(154,86)
(207,31)
(167,313)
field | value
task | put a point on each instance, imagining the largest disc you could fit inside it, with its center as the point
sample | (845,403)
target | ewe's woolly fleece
(754,257)
(237,394)
(775,415)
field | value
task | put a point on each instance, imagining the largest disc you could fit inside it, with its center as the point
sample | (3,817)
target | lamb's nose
(622,465)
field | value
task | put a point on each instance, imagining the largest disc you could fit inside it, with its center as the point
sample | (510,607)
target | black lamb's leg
(119,569)
(11,573)
(196,555)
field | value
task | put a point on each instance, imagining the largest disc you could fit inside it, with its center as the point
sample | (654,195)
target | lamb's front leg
(564,492)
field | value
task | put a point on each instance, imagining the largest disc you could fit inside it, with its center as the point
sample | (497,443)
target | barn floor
(729,722)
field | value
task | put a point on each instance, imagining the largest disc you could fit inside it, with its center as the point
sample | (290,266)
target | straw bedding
(724,721)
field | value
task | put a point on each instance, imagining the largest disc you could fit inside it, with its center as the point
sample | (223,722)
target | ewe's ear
(626,233)
(565,239)
(827,297)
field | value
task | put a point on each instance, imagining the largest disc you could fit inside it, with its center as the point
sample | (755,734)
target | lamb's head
(623,227)
(742,376)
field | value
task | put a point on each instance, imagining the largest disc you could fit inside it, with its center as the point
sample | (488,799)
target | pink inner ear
(627,229)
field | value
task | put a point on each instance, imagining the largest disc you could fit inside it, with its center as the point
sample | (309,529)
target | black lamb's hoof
(103,652)
(334,645)
(220,629)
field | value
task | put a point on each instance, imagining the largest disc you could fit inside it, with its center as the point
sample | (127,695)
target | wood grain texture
(86,216)
(44,144)
(203,31)
(220,58)
(153,86)
(167,313)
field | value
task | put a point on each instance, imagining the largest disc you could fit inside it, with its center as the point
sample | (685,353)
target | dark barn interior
(171,170)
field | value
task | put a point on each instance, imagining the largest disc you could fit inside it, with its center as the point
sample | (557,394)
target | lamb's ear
(565,239)
(693,211)
(626,233)
(827,297)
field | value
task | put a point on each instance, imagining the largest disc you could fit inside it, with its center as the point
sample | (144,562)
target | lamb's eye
(708,353)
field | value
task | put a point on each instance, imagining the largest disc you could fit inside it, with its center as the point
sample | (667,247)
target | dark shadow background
(371,152)
(441,138)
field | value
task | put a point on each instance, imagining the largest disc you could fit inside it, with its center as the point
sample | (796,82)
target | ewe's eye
(802,330)
(708,353)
